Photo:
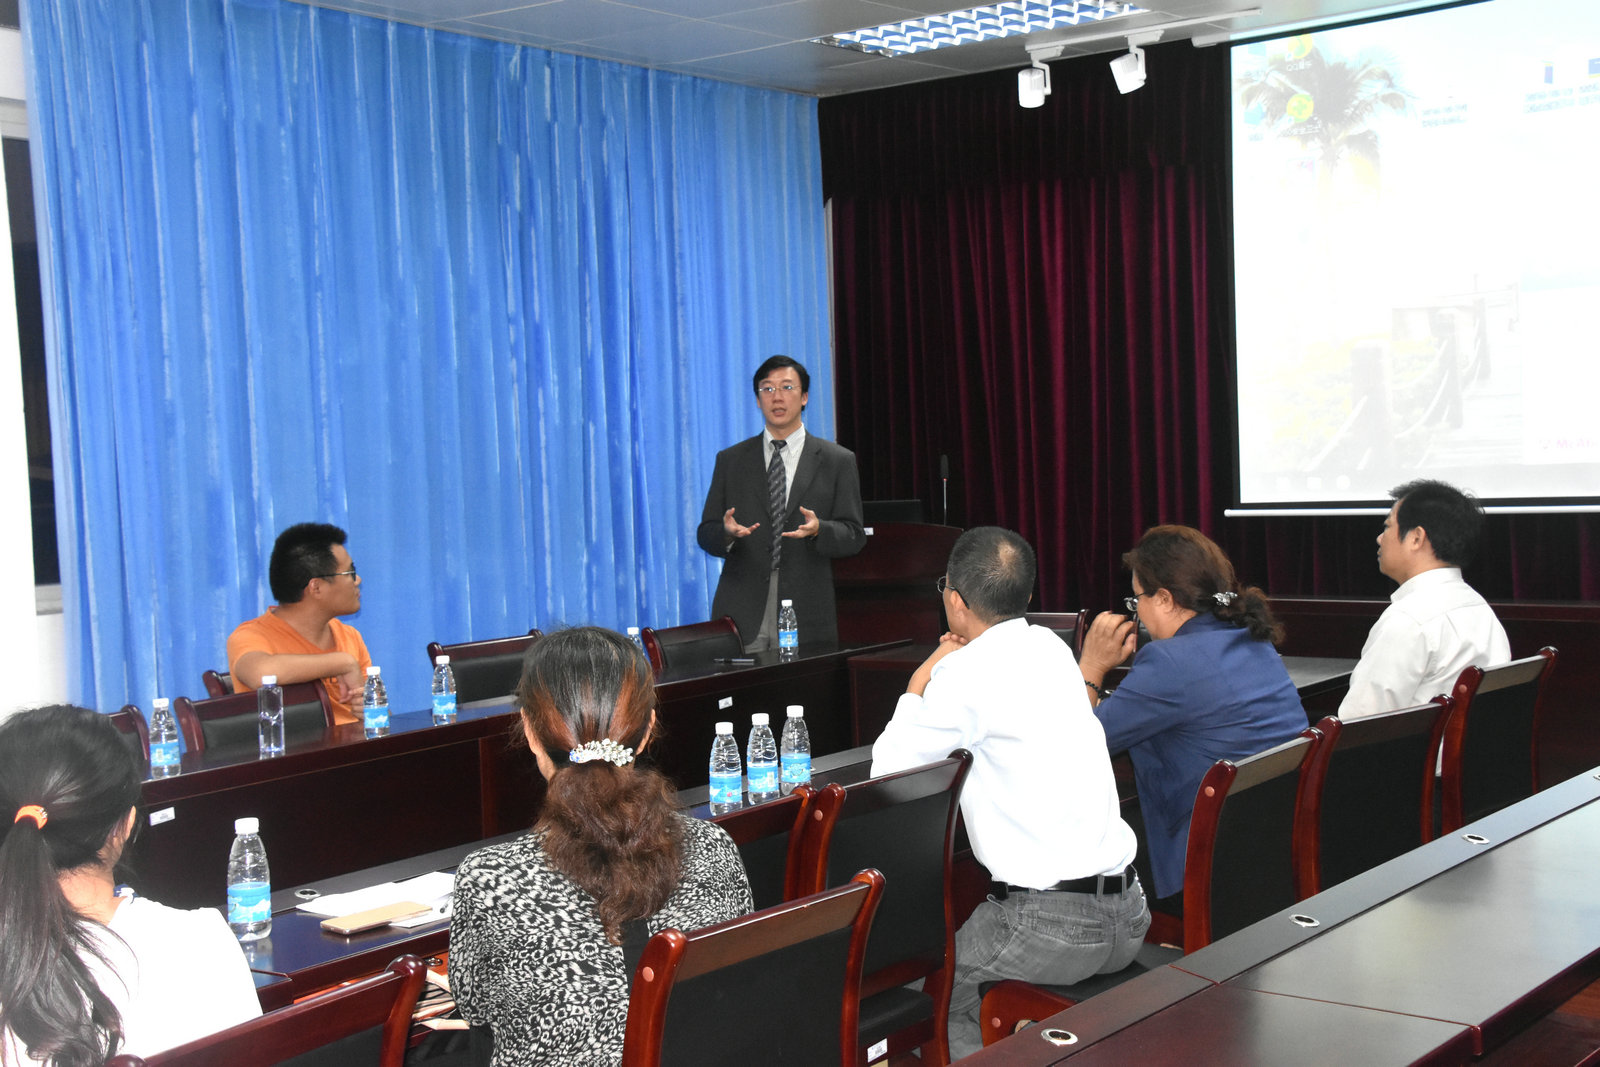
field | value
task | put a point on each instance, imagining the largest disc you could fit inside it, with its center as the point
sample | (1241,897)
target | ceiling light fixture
(1033,84)
(1010,18)
(1128,70)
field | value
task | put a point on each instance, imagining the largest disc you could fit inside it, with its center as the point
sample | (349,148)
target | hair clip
(1224,598)
(606,749)
(34,812)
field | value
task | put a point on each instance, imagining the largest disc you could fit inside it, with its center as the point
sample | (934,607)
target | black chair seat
(892,1011)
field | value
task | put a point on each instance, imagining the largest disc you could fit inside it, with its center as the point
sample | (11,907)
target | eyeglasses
(1133,602)
(786,387)
(351,573)
(943,584)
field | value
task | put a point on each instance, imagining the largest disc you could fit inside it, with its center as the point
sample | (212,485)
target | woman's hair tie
(34,812)
(606,749)
(1223,599)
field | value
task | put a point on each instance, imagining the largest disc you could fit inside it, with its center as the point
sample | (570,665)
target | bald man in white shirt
(1040,802)
(1436,624)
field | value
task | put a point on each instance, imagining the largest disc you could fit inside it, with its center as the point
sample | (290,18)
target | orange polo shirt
(270,634)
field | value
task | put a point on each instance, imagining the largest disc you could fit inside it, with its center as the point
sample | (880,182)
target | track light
(1128,70)
(1033,84)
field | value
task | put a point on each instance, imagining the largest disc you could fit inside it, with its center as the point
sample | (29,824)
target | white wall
(36,641)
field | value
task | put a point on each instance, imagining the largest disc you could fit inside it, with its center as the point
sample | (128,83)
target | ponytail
(71,763)
(1250,609)
(613,831)
(608,824)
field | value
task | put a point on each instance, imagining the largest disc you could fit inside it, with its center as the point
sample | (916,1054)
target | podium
(886,591)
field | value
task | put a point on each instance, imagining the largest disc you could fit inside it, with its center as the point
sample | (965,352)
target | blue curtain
(491,309)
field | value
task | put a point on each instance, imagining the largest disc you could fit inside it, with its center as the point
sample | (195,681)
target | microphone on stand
(944,478)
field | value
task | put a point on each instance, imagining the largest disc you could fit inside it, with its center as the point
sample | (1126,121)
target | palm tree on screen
(1325,104)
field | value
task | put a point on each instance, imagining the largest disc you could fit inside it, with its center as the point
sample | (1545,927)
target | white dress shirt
(1435,625)
(1040,801)
(793,445)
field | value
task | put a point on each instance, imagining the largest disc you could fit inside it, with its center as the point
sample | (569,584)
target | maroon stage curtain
(1045,298)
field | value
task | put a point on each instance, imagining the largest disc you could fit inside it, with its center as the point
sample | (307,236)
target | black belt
(1112,884)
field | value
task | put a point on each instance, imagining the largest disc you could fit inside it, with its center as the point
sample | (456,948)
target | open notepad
(432,889)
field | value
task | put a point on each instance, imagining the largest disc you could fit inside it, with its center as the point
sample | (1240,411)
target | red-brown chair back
(217,683)
(693,644)
(363,1024)
(129,720)
(485,670)
(770,837)
(1070,626)
(1491,740)
(904,825)
(228,724)
(1376,795)
(706,998)
(1240,866)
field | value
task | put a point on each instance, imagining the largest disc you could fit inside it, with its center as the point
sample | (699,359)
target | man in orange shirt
(300,638)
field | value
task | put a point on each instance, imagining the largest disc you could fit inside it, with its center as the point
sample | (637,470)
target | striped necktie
(777,494)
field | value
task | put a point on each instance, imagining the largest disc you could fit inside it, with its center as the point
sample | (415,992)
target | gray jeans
(1050,938)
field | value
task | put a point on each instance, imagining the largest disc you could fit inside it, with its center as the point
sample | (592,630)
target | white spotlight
(1129,69)
(1033,84)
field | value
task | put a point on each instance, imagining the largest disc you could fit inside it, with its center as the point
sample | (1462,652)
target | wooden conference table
(346,802)
(301,957)
(309,958)
(1439,956)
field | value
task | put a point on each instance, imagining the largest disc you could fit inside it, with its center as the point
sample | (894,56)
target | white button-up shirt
(1040,801)
(1435,625)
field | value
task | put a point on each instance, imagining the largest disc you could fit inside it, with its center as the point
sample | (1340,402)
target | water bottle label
(249,902)
(797,768)
(164,754)
(444,705)
(763,778)
(788,638)
(375,716)
(725,788)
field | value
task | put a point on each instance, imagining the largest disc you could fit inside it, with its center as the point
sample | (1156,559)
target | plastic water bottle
(249,884)
(164,756)
(788,631)
(444,691)
(375,705)
(269,702)
(636,637)
(761,760)
(795,750)
(727,773)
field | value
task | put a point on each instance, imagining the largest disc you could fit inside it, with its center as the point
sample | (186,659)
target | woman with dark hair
(86,972)
(1209,686)
(538,924)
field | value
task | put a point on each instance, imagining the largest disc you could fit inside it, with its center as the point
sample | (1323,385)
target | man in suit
(783,506)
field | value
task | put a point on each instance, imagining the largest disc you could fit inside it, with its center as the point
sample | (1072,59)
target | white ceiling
(768,44)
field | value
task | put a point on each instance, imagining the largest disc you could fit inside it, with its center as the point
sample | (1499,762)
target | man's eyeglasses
(351,573)
(944,583)
(768,390)
(1133,602)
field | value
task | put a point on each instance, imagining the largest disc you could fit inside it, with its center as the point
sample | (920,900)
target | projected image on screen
(1417,255)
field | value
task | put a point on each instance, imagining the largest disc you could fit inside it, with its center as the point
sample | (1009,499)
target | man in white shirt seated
(1436,624)
(1040,802)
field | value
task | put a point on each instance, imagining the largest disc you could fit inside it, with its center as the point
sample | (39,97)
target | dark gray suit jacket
(826,482)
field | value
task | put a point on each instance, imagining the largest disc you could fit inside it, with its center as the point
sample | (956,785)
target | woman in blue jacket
(1210,686)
